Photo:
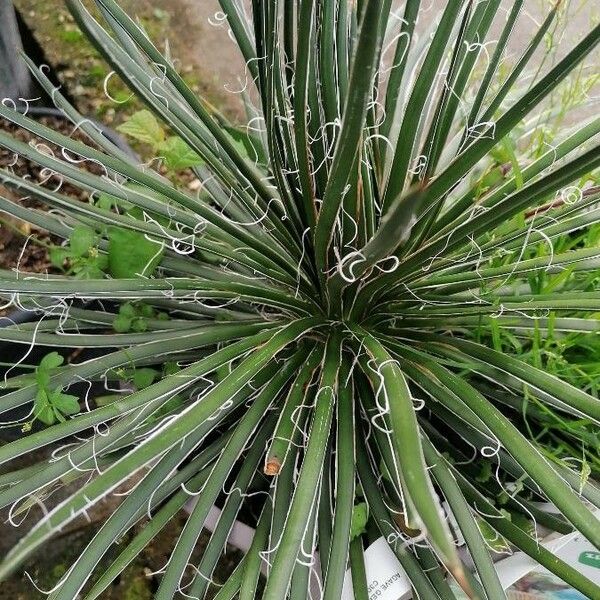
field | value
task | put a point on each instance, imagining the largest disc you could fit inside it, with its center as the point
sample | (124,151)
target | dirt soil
(202,52)
(137,582)
(24,246)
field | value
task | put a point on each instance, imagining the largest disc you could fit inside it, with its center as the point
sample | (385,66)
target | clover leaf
(51,404)
(360,516)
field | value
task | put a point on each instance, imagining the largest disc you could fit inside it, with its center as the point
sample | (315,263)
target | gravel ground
(222,64)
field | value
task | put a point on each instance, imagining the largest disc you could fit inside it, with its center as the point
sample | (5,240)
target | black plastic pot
(12,352)
(109,134)
(15,79)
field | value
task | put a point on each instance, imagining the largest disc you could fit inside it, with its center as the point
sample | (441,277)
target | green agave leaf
(382,273)
(389,381)
(306,490)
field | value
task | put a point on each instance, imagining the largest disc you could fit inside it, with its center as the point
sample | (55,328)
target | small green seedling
(129,254)
(360,516)
(135,316)
(80,257)
(142,377)
(176,154)
(51,404)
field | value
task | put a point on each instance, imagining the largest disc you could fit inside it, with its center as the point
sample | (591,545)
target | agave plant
(320,316)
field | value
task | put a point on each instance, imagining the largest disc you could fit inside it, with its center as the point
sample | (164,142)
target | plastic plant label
(590,558)
(524,579)
(386,579)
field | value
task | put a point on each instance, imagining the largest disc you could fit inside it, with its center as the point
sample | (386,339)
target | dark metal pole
(15,80)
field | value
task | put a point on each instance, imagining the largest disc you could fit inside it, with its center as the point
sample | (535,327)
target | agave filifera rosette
(328,297)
